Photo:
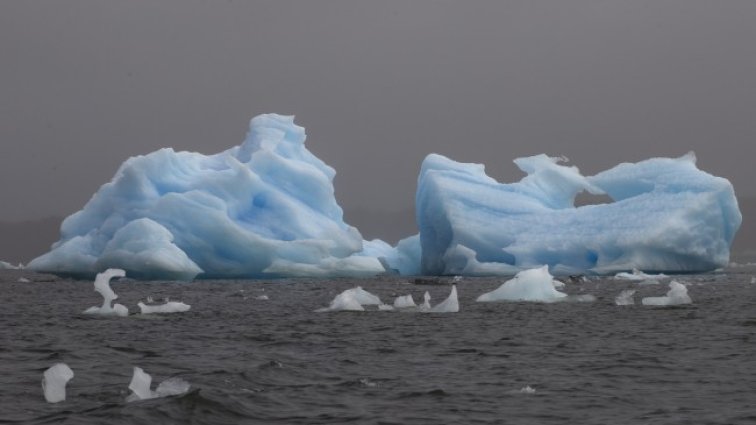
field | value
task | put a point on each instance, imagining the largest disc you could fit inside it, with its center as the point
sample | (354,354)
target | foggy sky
(378,85)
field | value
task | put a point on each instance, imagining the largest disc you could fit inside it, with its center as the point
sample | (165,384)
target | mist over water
(254,360)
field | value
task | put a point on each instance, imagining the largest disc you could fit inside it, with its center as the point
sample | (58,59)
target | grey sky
(378,85)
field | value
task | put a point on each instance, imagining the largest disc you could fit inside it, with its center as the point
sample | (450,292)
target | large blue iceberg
(667,216)
(267,209)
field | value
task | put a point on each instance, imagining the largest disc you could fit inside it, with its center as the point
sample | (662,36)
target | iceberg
(666,216)
(4,265)
(102,285)
(168,307)
(141,382)
(536,285)
(449,305)
(677,295)
(404,301)
(638,275)
(263,209)
(352,300)
(625,297)
(54,382)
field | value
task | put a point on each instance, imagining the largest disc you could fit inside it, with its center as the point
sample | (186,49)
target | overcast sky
(378,85)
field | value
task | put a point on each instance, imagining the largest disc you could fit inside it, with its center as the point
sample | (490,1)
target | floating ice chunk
(404,301)
(262,298)
(364,297)
(263,209)
(102,285)
(528,285)
(345,301)
(753,279)
(527,390)
(625,297)
(638,275)
(449,305)
(352,300)
(141,382)
(54,382)
(385,307)
(172,386)
(168,307)
(23,280)
(677,294)
(4,265)
(425,306)
(667,215)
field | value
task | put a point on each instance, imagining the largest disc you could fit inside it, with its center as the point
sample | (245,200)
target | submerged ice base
(667,216)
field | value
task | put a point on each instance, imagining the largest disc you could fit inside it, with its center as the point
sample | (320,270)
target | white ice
(404,301)
(449,305)
(54,382)
(637,275)
(528,285)
(666,215)
(425,306)
(352,300)
(625,297)
(168,307)
(23,280)
(4,265)
(141,382)
(102,285)
(263,209)
(677,294)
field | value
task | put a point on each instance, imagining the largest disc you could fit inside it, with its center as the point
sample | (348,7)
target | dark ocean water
(277,361)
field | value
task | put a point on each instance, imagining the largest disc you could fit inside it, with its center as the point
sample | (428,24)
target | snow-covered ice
(667,215)
(265,208)
(625,297)
(528,285)
(102,285)
(677,294)
(141,382)
(54,382)
(168,307)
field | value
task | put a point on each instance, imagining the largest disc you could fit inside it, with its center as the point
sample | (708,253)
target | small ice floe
(425,306)
(638,275)
(4,265)
(677,294)
(141,382)
(262,298)
(168,307)
(352,300)
(54,382)
(404,301)
(449,305)
(102,285)
(385,307)
(528,285)
(527,389)
(625,297)
(753,279)
(23,280)
(457,279)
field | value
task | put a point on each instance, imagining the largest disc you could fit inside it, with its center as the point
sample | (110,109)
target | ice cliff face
(265,208)
(667,215)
